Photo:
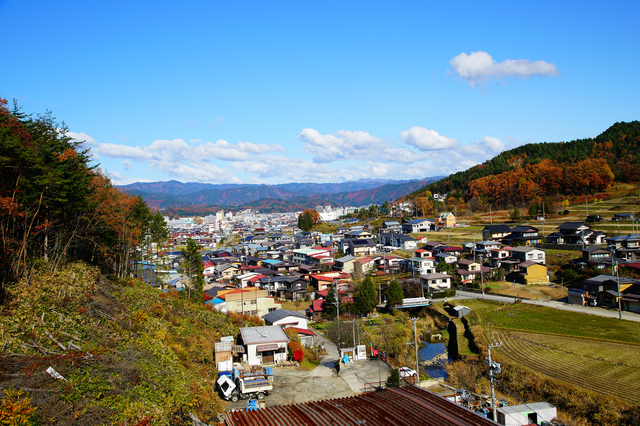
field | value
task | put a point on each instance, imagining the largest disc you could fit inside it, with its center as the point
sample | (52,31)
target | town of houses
(253,262)
(269,259)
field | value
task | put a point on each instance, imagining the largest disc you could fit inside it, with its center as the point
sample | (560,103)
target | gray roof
(346,259)
(261,335)
(279,314)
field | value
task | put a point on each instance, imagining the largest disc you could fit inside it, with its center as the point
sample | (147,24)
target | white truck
(245,385)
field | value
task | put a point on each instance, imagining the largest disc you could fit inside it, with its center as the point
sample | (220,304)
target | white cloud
(345,145)
(494,144)
(127,165)
(191,122)
(479,67)
(122,138)
(427,140)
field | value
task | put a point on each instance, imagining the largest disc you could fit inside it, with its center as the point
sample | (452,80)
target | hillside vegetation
(129,354)
(533,172)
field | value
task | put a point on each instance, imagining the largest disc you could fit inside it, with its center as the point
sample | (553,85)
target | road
(629,316)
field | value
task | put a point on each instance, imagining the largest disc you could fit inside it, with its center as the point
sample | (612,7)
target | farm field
(591,352)
(605,367)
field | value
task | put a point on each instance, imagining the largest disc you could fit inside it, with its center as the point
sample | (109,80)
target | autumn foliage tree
(54,206)
(307,219)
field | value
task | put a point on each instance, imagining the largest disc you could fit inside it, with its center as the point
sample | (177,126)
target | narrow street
(630,316)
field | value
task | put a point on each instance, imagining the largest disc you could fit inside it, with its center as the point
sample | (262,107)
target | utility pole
(490,216)
(619,298)
(354,331)
(415,335)
(515,296)
(494,367)
(337,303)
(481,276)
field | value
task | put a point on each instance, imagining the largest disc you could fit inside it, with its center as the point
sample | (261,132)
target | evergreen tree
(394,294)
(330,307)
(192,269)
(366,297)
(393,381)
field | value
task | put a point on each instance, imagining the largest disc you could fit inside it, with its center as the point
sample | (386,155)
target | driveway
(292,386)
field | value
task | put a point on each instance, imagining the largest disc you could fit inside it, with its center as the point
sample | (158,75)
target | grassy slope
(143,355)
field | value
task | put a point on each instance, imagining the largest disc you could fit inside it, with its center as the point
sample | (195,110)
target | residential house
(228,271)
(358,234)
(391,225)
(358,248)
(423,253)
(364,264)
(435,282)
(316,309)
(305,256)
(418,225)
(529,272)
(523,234)
(401,241)
(285,318)
(445,257)
(285,287)
(601,290)
(576,233)
(420,265)
(322,281)
(524,254)
(625,246)
(264,345)
(495,232)
(498,256)
(483,248)
(446,220)
(593,255)
(344,264)
(251,301)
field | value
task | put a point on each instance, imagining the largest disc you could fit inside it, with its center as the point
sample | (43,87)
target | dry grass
(533,291)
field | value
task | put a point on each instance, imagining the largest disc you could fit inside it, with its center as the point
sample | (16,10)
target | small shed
(225,349)
(461,310)
(525,414)
(347,355)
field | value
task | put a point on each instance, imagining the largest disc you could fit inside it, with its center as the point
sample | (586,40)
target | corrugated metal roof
(408,405)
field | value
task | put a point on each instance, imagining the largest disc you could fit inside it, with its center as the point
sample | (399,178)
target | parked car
(407,372)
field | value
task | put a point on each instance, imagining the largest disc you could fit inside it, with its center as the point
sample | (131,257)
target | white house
(436,281)
(421,265)
(285,318)
(264,345)
(532,254)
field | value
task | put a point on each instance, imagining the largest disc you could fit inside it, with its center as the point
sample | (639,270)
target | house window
(540,256)
(272,309)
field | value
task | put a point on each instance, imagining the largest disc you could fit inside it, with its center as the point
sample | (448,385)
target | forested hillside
(55,207)
(532,172)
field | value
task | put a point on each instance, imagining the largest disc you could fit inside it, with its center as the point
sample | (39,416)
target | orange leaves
(69,153)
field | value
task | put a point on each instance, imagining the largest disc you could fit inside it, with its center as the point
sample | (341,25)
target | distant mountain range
(282,197)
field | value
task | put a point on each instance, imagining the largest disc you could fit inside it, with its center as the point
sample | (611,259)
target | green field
(596,353)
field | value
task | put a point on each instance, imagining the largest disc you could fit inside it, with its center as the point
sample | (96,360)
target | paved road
(630,316)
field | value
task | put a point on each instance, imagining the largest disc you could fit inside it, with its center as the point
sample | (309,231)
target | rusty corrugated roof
(409,405)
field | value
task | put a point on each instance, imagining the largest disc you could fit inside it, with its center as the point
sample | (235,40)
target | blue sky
(275,92)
